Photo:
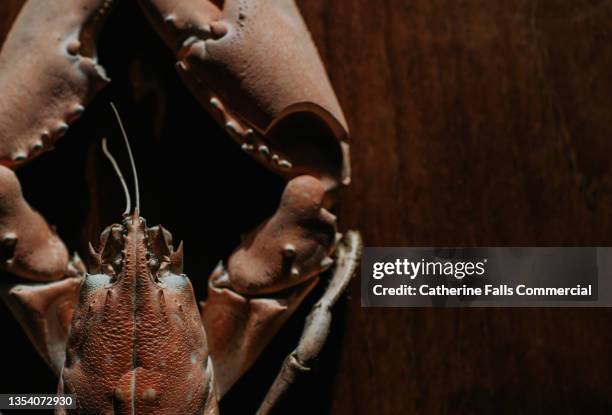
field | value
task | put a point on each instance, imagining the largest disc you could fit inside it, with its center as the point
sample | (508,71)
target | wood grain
(474,122)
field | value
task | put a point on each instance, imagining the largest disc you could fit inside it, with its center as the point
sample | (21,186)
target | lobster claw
(57,75)
(29,247)
(253,65)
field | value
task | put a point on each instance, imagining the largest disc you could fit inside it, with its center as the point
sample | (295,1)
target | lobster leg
(318,323)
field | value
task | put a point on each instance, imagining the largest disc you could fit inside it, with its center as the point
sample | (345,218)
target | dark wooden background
(475,122)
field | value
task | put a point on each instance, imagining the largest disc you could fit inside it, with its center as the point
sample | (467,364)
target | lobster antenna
(109,156)
(129,150)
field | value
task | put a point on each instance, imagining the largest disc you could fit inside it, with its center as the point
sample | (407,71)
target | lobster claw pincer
(47,77)
(254,67)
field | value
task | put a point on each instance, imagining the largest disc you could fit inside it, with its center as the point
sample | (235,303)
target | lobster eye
(118,264)
(111,247)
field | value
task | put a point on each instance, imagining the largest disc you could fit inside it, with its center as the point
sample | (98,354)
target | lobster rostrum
(254,67)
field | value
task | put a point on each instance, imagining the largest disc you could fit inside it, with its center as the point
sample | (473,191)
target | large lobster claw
(48,72)
(253,65)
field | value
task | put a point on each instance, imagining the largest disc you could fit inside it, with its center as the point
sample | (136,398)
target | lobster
(126,335)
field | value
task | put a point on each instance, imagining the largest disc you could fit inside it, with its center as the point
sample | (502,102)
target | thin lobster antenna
(129,150)
(109,156)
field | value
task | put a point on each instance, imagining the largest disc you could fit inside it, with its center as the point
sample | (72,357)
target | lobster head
(132,244)
(253,66)
(137,306)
